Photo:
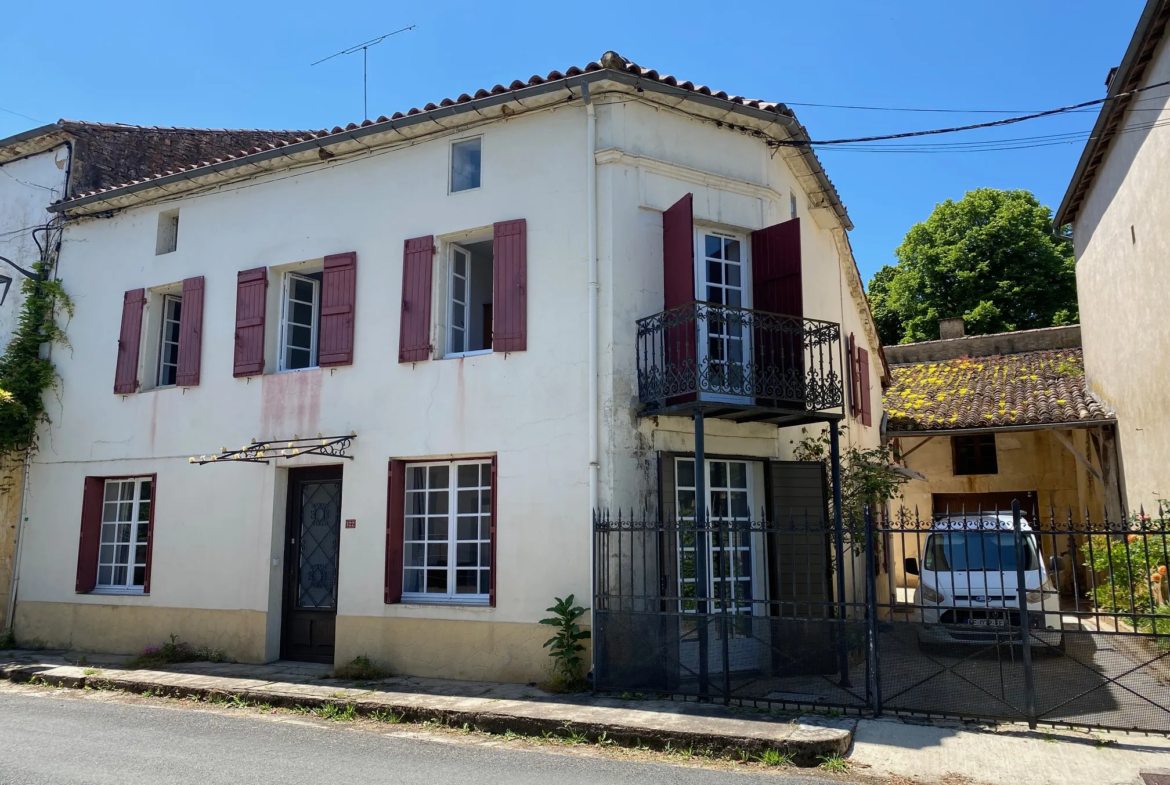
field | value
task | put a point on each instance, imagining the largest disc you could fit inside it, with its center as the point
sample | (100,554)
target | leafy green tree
(990,257)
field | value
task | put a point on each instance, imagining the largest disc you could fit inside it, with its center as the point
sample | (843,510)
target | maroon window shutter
(414,332)
(150,528)
(338,294)
(251,305)
(680,347)
(510,292)
(190,333)
(863,381)
(492,573)
(129,341)
(395,526)
(776,273)
(851,370)
(91,534)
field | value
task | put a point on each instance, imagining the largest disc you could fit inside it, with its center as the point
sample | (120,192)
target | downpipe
(594,361)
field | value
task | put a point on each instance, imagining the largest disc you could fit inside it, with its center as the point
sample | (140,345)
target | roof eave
(1040,426)
(790,124)
(1120,78)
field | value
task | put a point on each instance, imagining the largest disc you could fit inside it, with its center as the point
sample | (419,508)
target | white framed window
(300,318)
(126,518)
(465,164)
(168,340)
(722,279)
(792,204)
(470,280)
(447,532)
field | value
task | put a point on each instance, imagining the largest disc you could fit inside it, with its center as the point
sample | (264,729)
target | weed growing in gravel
(833,763)
(385,715)
(361,669)
(174,651)
(774,758)
(91,671)
(332,711)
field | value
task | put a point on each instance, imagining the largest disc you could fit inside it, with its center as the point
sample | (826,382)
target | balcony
(739,364)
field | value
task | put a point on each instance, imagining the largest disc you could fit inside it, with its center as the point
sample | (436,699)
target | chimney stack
(951,328)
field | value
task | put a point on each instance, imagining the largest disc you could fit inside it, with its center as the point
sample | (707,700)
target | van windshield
(978,550)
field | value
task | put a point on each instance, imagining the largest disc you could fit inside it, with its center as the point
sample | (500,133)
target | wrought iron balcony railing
(702,354)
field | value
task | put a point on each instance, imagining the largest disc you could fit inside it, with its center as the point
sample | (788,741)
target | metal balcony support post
(874,684)
(839,546)
(701,551)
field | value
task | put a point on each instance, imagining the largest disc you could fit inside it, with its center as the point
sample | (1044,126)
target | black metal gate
(898,614)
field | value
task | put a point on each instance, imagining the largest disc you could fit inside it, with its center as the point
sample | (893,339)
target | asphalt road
(51,740)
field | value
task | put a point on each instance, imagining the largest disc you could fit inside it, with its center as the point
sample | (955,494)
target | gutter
(1044,426)
(594,289)
(790,125)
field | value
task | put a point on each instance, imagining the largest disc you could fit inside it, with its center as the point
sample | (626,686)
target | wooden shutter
(851,375)
(150,532)
(251,306)
(510,290)
(129,341)
(863,384)
(492,529)
(680,342)
(395,528)
(190,333)
(414,332)
(776,272)
(338,294)
(91,534)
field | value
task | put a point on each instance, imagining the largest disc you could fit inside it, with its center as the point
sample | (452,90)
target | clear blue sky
(246,65)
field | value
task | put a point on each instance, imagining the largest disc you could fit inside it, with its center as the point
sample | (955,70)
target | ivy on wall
(25,375)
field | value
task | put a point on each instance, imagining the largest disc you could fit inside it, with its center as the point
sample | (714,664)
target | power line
(19,114)
(972,127)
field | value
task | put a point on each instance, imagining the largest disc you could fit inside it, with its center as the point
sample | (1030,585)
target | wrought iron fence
(995,615)
(700,349)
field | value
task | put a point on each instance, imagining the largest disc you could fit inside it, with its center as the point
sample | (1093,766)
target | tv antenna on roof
(365,45)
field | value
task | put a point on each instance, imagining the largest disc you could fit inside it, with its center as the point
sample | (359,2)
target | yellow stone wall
(128,629)
(11,476)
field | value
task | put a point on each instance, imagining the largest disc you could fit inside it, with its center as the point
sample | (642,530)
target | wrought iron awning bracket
(265,451)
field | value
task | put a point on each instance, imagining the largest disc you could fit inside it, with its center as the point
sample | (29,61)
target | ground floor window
(447,532)
(125,532)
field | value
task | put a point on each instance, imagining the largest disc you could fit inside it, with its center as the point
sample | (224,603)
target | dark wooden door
(312,540)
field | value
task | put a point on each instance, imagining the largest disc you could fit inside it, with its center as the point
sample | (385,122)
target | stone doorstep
(655,723)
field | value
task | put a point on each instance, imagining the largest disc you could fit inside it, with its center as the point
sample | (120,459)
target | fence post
(839,544)
(1025,620)
(874,683)
(720,532)
(702,550)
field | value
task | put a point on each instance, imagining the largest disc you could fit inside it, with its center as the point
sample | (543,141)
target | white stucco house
(1118,205)
(361,391)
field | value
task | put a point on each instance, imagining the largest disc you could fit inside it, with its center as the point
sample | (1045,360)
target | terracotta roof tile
(1031,388)
(609,60)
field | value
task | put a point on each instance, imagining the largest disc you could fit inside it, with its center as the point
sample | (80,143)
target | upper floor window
(465,165)
(167,239)
(975,454)
(792,204)
(168,341)
(299,321)
(469,304)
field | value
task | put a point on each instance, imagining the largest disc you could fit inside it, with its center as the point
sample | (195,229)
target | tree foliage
(990,257)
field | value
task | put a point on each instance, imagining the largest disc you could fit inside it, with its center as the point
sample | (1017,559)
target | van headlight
(930,595)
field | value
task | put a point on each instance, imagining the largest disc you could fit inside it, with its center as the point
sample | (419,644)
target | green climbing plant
(26,375)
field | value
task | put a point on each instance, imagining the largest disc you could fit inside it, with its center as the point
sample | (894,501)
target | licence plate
(987,622)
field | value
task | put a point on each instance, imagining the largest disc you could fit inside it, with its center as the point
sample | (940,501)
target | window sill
(298,370)
(123,592)
(461,355)
(418,601)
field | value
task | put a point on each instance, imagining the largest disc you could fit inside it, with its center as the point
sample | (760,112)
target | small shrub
(775,758)
(360,669)
(175,651)
(565,644)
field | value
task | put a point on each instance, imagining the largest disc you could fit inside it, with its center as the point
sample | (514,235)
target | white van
(968,584)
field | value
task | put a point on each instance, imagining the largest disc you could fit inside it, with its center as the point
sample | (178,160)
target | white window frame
(451,165)
(745,300)
(139,526)
(167,301)
(285,296)
(450,597)
(452,249)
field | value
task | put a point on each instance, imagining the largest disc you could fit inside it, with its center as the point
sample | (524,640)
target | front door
(312,539)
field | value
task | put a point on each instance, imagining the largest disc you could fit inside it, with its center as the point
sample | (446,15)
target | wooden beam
(915,447)
(1060,437)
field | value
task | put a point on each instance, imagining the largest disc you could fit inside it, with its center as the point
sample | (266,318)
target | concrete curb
(656,724)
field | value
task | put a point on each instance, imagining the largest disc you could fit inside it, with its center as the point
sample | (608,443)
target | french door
(734,563)
(724,339)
